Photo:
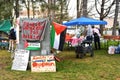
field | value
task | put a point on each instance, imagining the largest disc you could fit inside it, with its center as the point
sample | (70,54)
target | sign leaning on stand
(43,63)
(20,61)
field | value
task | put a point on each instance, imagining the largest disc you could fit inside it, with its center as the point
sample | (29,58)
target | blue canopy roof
(85,21)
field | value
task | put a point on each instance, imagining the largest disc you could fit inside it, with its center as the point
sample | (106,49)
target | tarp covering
(85,21)
(5,26)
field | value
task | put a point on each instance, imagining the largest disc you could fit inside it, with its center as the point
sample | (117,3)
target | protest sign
(20,61)
(44,63)
(32,30)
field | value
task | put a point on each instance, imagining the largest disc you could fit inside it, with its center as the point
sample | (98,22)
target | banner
(33,30)
(44,63)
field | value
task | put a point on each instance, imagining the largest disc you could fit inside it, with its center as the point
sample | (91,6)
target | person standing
(89,35)
(119,31)
(12,39)
(96,33)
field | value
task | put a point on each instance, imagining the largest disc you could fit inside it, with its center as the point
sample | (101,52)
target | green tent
(5,26)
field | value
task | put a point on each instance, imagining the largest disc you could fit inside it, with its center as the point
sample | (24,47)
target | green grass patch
(100,67)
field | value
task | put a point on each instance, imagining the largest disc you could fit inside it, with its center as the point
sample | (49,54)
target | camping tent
(5,26)
(84,21)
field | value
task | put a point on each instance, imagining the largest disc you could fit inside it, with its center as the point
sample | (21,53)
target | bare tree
(27,5)
(103,10)
(57,9)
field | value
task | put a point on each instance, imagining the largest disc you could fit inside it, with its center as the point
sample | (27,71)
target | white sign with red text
(44,63)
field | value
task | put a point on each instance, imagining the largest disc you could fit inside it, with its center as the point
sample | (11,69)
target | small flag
(32,45)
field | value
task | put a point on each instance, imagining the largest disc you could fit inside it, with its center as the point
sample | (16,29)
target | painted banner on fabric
(33,30)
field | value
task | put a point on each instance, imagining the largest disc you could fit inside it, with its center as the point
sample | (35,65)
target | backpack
(12,34)
(95,34)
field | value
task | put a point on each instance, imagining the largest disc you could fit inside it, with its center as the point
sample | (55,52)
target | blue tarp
(84,21)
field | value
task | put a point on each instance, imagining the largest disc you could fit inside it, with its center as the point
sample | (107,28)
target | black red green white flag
(58,33)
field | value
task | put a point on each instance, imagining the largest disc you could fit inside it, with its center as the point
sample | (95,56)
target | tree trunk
(49,9)
(33,9)
(85,8)
(101,15)
(61,11)
(53,15)
(115,18)
(78,8)
(28,9)
(16,8)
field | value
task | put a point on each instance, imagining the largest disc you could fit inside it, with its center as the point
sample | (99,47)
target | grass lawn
(102,66)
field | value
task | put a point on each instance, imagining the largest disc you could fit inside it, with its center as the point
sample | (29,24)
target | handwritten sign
(20,61)
(33,30)
(44,63)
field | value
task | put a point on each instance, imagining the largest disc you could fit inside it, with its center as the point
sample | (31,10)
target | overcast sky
(72,8)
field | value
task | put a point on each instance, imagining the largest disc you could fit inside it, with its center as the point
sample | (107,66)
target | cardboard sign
(44,63)
(20,61)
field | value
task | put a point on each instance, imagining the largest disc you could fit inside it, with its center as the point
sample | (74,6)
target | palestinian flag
(32,45)
(58,33)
